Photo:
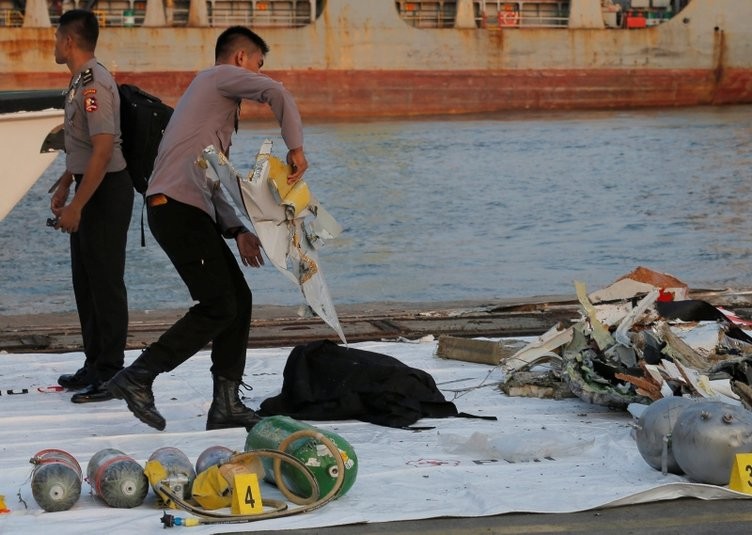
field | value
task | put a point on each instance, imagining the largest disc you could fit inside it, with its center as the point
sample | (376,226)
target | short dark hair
(83,26)
(231,39)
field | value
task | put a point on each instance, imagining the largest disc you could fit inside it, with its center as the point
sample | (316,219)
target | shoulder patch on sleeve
(90,104)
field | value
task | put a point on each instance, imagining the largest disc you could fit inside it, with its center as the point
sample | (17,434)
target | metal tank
(211,456)
(178,472)
(55,480)
(706,438)
(272,431)
(117,479)
(654,433)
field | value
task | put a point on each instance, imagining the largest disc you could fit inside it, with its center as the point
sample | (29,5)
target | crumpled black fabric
(326,381)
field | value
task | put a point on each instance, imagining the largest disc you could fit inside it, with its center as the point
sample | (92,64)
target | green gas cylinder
(270,432)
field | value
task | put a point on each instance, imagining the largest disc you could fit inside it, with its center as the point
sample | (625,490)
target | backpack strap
(143,209)
(467,415)
(458,415)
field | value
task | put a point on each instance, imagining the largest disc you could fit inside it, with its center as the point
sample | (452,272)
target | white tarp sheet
(539,456)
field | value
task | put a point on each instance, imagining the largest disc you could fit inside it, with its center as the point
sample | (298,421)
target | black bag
(143,119)
(325,381)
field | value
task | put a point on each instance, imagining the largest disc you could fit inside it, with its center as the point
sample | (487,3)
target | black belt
(79,177)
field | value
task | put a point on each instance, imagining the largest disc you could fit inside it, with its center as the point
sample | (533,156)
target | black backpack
(143,119)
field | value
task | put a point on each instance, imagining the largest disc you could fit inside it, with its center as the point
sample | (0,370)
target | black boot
(133,384)
(226,409)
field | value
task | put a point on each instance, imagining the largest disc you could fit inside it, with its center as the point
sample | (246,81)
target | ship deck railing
(489,14)
(228,17)
(219,18)
(220,14)
(501,14)
(490,21)
(522,20)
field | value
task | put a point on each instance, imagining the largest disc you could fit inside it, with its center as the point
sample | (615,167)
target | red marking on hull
(341,94)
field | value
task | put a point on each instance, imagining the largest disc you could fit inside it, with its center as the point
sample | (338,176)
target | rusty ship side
(364,59)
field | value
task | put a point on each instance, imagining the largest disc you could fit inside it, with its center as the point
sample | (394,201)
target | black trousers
(222,313)
(98,268)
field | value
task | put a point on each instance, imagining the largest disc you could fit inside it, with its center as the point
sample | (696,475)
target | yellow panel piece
(297,195)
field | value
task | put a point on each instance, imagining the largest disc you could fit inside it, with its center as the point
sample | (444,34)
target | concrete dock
(278,326)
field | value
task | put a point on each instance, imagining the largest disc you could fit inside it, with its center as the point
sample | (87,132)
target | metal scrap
(624,350)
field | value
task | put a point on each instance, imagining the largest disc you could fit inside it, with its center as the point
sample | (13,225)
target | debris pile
(639,340)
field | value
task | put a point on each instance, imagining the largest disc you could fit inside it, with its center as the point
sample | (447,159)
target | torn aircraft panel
(288,220)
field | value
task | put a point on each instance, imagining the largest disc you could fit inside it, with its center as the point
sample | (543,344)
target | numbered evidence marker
(741,473)
(246,498)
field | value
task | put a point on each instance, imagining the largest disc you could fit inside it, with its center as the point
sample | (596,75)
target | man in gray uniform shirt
(98,215)
(190,217)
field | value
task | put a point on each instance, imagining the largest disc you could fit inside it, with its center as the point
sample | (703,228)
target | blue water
(468,208)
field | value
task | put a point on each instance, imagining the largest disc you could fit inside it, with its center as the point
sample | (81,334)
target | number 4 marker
(246,498)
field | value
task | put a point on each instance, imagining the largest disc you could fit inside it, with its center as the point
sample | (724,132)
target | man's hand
(59,198)
(68,218)
(296,158)
(249,247)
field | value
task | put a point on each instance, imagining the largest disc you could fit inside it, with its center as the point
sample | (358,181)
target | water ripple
(468,208)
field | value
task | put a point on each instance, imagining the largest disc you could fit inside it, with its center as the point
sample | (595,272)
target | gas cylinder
(653,435)
(213,455)
(116,478)
(178,471)
(706,438)
(55,480)
(270,432)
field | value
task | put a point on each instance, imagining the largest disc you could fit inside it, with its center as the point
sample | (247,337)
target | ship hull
(368,63)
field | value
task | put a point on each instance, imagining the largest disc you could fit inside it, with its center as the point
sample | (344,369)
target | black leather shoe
(75,381)
(91,394)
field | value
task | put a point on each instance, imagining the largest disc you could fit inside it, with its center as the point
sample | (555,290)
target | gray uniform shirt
(206,115)
(92,106)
